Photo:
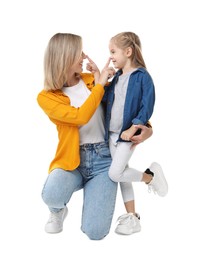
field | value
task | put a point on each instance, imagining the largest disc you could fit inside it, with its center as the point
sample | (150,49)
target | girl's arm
(146,107)
(147,100)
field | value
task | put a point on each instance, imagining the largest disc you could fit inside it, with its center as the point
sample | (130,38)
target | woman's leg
(56,193)
(99,192)
(59,187)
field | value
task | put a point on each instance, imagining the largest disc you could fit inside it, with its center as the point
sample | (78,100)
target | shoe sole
(127,233)
(159,169)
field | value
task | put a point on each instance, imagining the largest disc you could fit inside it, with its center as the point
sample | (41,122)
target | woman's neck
(74,80)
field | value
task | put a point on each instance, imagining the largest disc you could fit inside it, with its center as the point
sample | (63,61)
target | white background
(170,32)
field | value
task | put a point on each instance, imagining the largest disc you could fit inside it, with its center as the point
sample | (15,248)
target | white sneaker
(128,224)
(55,222)
(158,184)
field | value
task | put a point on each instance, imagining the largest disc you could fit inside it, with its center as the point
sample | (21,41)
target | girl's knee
(113,176)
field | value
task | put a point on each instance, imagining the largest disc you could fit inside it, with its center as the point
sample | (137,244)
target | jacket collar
(119,72)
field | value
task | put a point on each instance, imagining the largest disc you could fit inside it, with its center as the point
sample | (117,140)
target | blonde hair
(129,39)
(63,51)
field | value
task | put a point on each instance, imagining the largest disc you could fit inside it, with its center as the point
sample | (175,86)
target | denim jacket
(139,103)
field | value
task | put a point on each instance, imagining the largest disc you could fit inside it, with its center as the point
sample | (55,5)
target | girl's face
(118,56)
(78,66)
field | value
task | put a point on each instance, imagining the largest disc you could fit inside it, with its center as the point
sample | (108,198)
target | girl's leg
(126,187)
(119,170)
(99,192)
(130,206)
(128,196)
(128,223)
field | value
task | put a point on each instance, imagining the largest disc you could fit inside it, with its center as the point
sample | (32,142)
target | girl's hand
(106,73)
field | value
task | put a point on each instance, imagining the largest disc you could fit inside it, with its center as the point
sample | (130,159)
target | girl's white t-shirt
(117,111)
(93,131)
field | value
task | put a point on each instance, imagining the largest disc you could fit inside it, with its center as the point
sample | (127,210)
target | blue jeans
(99,191)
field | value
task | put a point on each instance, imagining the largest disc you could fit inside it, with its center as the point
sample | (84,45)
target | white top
(117,111)
(93,131)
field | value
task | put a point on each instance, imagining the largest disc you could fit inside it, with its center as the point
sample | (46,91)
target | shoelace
(55,217)
(151,188)
(124,219)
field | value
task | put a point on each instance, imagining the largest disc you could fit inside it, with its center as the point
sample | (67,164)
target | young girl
(130,101)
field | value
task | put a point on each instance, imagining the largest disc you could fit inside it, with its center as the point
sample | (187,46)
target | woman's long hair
(63,51)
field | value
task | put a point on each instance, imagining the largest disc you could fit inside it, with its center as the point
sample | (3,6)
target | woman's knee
(52,199)
(59,187)
(95,233)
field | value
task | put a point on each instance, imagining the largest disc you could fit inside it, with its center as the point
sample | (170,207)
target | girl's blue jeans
(99,192)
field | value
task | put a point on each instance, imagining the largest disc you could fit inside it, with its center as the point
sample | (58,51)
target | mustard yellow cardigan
(67,119)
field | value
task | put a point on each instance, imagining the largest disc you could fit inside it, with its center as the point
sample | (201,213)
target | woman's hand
(92,67)
(146,132)
(129,133)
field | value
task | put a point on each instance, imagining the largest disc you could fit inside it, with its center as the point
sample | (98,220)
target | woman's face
(78,66)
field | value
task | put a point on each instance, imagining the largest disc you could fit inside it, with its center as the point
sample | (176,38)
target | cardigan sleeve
(58,108)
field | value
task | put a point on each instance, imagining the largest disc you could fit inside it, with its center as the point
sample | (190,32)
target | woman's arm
(58,108)
(92,67)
